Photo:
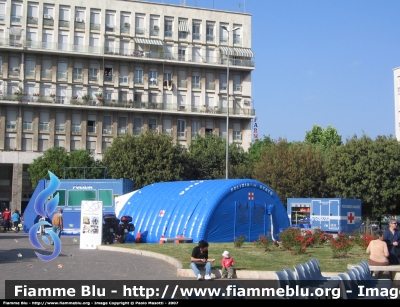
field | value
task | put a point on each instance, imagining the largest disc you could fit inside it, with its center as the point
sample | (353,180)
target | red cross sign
(251,196)
(161,213)
(350,217)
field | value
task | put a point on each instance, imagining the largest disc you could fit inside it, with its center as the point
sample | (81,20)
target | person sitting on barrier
(392,238)
(200,258)
(378,252)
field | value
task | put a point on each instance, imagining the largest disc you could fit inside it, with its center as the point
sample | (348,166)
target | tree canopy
(77,164)
(326,138)
(367,169)
(292,170)
(145,159)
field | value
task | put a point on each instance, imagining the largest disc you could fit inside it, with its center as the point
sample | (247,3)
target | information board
(91,224)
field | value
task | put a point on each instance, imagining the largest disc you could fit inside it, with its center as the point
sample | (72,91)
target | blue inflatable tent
(213,210)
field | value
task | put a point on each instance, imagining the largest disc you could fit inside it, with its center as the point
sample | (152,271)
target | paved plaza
(18,261)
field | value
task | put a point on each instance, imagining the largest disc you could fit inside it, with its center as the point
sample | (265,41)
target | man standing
(6,219)
(57,223)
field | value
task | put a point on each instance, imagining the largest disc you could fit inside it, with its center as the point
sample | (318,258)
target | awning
(15,31)
(148,41)
(183,26)
(244,52)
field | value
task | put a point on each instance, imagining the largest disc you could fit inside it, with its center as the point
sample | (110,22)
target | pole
(227,114)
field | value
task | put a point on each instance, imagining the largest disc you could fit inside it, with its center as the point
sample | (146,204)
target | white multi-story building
(397,102)
(78,73)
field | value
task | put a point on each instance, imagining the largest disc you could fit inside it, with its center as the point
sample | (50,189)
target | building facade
(78,74)
(397,102)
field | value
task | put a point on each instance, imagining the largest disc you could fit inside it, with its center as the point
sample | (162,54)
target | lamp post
(227,104)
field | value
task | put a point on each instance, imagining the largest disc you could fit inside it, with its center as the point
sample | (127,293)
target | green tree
(326,138)
(146,158)
(54,159)
(256,147)
(207,159)
(292,170)
(367,169)
(59,162)
(81,165)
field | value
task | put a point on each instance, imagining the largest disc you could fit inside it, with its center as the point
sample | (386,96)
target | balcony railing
(210,38)
(129,103)
(107,130)
(48,22)
(110,28)
(237,41)
(108,78)
(154,32)
(95,26)
(62,75)
(77,76)
(237,136)
(125,30)
(27,126)
(168,34)
(16,19)
(181,134)
(138,80)
(123,79)
(54,46)
(182,83)
(122,130)
(210,86)
(196,85)
(76,128)
(237,88)
(140,31)
(79,25)
(29,73)
(60,127)
(44,127)
(63,23)
(11,126)
(91,129)
(196,36)
(93,78)
(182,35)
(32,20)
(46,74)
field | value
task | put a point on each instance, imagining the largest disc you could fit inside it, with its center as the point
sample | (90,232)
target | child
(227,265)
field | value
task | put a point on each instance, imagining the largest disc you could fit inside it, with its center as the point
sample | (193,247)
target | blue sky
(321,62)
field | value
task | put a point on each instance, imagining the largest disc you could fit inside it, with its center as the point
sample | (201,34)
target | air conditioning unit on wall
(127,24)
(47,16)
(155,27)
(78,19)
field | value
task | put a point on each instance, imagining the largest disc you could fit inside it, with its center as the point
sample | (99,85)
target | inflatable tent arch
(212,210)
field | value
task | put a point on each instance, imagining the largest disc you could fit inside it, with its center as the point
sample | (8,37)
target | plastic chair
(291,277)
(308,271)
(300,273)
(282,278)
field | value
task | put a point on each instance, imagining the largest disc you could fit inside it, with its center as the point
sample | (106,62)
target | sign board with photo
(91,224)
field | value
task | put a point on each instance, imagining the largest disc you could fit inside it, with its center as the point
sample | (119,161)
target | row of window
(142,21)
(107,126)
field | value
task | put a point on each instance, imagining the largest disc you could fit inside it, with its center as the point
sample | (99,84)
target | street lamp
(227,103)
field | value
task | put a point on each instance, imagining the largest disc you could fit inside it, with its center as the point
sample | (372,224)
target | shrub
(266,242)
(293,240)
(365,239)
(239,241)
(320,237)
(340,245)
